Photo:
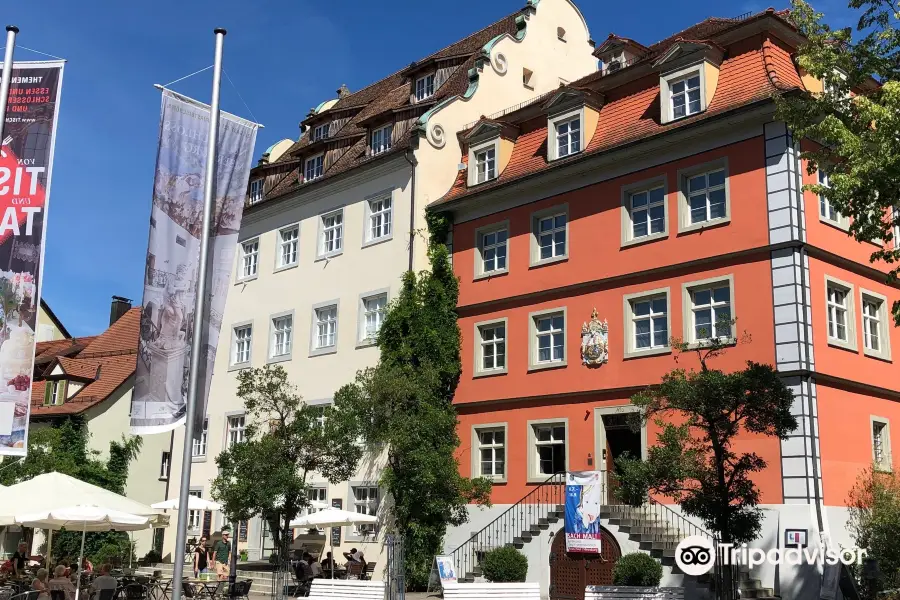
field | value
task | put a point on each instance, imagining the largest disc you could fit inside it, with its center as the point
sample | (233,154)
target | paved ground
(409,596)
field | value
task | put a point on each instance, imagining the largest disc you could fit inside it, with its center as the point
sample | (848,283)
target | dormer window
(314,167)
(381,139)
(256,190)
(485,164)
(566,135)
(55,392)
(425,87)
(685,95)
(320,132)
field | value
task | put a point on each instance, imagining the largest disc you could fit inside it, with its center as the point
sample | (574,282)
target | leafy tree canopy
(405,403)
(857,141)
(874,505)
(699,415)
(286,441)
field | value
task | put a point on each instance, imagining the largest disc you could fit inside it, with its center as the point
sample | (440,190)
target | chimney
(118,307)
(343,91)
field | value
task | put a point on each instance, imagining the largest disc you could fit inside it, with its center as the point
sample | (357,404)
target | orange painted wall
(847,364)
(595,230)
(752,308)
(846,437)
(580,416)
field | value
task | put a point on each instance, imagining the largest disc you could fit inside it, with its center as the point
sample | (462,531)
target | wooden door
(571,573)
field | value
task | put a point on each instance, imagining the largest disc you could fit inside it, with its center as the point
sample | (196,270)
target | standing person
(20,559)
(222,555)
(201,558)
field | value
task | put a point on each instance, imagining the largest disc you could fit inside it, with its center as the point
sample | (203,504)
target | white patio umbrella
(83,518)
(194,503)
(54,490)
(333,517)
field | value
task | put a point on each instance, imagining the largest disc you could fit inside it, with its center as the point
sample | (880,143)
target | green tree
(63,446)
(874,505)
(286,440)
(405,403)
(699,414)
(858,139)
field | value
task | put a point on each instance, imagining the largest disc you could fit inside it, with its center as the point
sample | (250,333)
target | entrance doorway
(617,432)
(570,573)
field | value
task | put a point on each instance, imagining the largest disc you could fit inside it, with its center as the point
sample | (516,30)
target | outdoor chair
(369,571)
(30,595)
(57,595)
(107,594)
(245,588)
(355,570)
(134,591)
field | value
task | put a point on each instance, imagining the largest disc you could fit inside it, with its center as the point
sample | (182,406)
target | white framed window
(195,517)
(320,132)
(709,310)
(840,313)
(550,237)
(164,463)
(492,257)
(325,330)
(485,164)
(567,135)
(381,213)
(548,453)
(249,258)
(547,342)
(282,336)
(316,494)
(490,347)
(684,96)
(490,442)
(827,212)
(876,325)
(198,447)
(381,139)
(314,167)
(55,392)
(648,212)
(647,323)
(374,310)
(236,430)
(424,87)
(706,196)
(288,241)
(365,501)
(881,443)
(256,190)
(331,236)
(242,344)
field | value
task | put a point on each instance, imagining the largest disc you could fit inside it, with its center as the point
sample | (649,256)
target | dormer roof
(485,129)
(682,51)
(570,97)
(614,42)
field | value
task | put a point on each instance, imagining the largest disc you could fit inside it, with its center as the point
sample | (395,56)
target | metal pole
(11,31)
(194,384)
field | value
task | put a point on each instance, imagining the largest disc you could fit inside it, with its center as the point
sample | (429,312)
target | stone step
(758,593)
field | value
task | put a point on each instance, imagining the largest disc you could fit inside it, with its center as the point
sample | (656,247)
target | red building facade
(661,193)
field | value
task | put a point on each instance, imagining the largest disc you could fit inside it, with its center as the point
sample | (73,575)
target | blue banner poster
(168,322)
(583,500)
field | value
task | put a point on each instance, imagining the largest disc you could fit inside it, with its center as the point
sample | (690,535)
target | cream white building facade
(331,229)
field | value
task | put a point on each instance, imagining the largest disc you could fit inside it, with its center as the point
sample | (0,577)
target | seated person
(354,556)
(103,582)
(62,582)
(40,585)
(314,566)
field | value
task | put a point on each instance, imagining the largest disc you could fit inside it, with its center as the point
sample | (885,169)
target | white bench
(613,592)
(485,591)
(350,589)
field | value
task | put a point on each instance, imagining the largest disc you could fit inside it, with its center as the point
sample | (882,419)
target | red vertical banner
(26,162)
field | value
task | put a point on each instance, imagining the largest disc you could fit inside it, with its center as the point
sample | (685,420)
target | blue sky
(284,56)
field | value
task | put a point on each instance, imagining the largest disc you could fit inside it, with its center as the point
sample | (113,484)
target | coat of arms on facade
(595,341)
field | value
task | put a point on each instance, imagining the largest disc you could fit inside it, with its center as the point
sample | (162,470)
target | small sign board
(336,531)
(446,570)
(207,523)
(794,538)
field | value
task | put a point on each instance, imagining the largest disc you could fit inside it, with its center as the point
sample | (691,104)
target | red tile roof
(102,363)
(754,70)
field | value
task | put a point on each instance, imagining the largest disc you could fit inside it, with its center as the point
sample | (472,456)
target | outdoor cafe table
(209,586)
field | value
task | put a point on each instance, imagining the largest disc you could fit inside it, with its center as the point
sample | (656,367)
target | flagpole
(11,31)
(194,383)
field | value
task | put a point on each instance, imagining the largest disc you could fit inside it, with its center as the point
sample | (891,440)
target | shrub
(505,564)
(153,557)
(637,569)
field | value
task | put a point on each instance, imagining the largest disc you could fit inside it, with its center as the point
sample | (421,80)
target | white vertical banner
(583,501)
(26,162)
(168,322)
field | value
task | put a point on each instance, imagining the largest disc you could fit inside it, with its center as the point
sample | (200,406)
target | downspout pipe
(410,157)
